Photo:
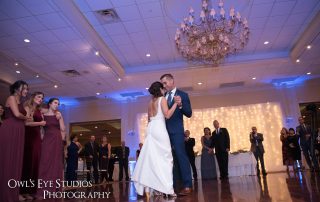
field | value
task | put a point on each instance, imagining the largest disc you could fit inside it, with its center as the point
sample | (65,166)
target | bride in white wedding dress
(153,170)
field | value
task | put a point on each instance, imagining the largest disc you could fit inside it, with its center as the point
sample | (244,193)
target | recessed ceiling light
(16,64)
(148,54)
(254,78)
(55,86)
(119,79)
(80,134)
(97,53)
(18,72)
(309,73)
(98,93)
(96,127)
(37,76)
(309,47)
(297,61)
(26,40)
(199,83)
(266,42)
(109,132)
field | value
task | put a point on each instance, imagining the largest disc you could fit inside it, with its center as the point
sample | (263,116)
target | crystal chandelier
(213,37)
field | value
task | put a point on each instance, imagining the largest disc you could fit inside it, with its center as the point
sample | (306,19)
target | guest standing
(139,150)
(73,151)
(104,156)
(317,145)
(294,152)
(221,145)
(283,137)
(304,133)
(12,135)
(91,150)
(257,149)
(189,144)
(123,154)
(208,162)
(32,144)
(51,164)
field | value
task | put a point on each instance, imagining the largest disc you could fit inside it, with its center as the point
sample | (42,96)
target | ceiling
(65,35)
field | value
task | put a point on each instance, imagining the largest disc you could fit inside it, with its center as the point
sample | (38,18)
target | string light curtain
(267,117)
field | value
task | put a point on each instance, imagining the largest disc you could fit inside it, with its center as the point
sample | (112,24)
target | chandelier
(212,37)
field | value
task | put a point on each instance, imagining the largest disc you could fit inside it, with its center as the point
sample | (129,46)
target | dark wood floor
(303,186)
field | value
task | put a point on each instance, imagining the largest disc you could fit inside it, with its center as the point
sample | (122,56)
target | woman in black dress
(72,158)
(104,156)
(294,152)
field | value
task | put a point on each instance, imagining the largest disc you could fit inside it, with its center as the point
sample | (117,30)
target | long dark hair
(16,86)
(2,116)
(155,89)
(51,101)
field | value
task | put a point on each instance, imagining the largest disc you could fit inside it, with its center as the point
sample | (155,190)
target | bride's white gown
(154,166)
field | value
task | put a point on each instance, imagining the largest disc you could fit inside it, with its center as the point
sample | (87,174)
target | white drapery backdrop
(267,117)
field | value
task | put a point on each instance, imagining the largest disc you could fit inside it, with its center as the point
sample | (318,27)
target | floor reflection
(300,186)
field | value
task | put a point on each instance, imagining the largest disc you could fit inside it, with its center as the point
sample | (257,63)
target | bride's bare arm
(165,109)
(149,110)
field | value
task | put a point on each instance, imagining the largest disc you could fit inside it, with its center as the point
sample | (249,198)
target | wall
(288,98)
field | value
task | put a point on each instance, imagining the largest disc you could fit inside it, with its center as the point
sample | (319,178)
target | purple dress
(11,153)
(51,160)
(32,151)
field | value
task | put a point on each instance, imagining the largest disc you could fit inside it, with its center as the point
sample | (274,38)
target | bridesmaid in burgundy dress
(12,142)
(51,160)
(32,145)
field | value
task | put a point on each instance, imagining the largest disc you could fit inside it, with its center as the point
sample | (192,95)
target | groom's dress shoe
(186,191)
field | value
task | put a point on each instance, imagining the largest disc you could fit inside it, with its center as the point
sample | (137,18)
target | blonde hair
(29,102)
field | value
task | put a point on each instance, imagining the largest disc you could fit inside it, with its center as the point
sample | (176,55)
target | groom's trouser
(178,146)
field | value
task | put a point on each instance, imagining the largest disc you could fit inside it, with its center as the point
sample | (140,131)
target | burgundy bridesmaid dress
(32,151)
(51,160)
(11,153)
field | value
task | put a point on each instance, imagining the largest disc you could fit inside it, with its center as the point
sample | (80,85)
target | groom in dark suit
(176,131)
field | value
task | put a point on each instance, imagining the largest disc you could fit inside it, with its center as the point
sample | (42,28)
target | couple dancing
(164,138)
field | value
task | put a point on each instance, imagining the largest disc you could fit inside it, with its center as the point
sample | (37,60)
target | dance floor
(303,186)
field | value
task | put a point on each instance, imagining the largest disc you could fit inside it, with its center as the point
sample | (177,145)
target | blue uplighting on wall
(67,101)
(289,82)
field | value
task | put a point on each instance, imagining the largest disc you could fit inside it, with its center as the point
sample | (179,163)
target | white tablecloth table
(242,164)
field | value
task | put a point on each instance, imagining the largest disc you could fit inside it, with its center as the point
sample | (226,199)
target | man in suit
(257,149)
(123,154)
(221,144)
(189,144)
(176,132)
(304,133)
(91,150)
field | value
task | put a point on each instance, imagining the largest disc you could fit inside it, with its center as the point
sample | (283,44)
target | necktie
(169,98)
(304,128)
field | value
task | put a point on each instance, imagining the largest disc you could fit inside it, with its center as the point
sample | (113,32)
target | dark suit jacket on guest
(120,154)
(190,143)
(221,141)
(88,150)
(302,131)
(254,140)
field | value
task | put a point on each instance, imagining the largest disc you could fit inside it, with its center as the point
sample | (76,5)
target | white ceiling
(65,35)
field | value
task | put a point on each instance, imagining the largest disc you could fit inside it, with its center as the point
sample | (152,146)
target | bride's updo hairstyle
(155,89)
